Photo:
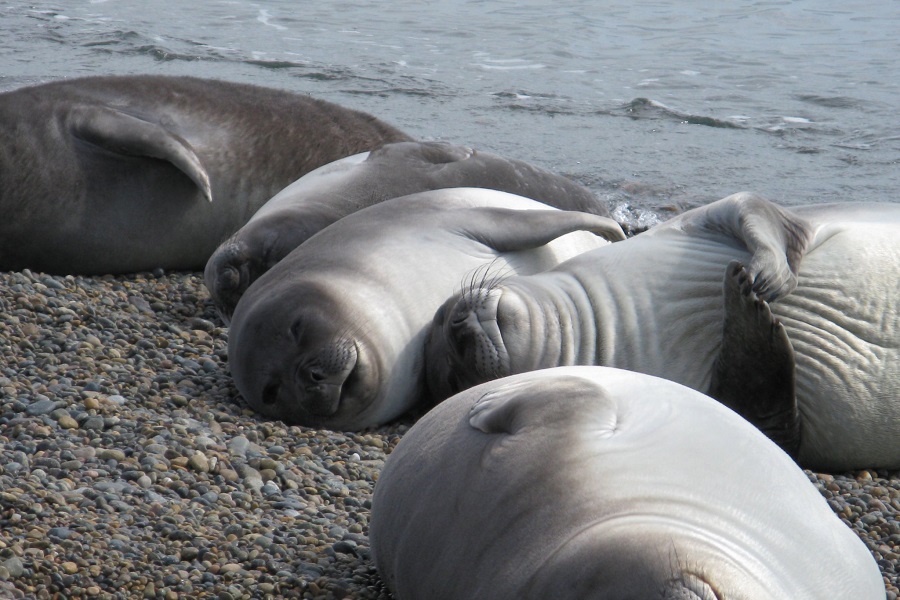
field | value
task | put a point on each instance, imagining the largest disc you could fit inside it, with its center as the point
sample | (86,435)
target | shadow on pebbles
(130,468)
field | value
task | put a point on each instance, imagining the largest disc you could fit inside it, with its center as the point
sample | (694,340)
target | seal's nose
(270,393)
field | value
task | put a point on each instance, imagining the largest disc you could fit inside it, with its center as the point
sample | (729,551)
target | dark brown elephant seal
(130,173)
(579,483)
(322,197)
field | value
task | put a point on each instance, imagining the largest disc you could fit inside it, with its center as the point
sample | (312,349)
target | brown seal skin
(128,173)
(334,191)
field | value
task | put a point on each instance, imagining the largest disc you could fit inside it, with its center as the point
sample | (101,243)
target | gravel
(131,469)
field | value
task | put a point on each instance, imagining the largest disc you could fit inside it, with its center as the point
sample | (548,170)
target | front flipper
(754,371)
(517,406)
(122,133)
(510,230)
(775,238)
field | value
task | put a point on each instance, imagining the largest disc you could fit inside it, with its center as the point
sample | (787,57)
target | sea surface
(653,105)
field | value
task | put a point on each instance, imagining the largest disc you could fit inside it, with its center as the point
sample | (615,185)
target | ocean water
(654,105)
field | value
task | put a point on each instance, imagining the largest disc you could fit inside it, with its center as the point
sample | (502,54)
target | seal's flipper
(122,133)
(524,404)
(754,371)
(510,230)
(427,153)
(775,237)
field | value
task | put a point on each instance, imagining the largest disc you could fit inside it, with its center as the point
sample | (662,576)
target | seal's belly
(843,321)
(668,309)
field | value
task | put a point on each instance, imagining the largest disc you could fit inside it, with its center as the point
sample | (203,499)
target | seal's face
(298,363)
(227,276)
(466,344)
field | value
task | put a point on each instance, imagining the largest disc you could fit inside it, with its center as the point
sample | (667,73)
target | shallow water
(651,104)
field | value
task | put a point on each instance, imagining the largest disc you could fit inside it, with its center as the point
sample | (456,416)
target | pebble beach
(131,468)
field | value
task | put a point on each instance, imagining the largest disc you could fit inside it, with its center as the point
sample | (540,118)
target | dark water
(651,104)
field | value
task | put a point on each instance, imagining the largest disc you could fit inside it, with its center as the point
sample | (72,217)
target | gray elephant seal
(122,174)
(591,482)
(820,291)
(322,197)
(332,336)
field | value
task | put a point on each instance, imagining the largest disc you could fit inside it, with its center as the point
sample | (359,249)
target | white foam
(264,17)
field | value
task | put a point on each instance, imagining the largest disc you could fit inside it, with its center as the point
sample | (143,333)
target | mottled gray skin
(338,189)
(592,482)
(130,173)
(332,336)
(811,292)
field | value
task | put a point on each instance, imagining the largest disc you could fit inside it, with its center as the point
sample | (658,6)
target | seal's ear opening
(523,404)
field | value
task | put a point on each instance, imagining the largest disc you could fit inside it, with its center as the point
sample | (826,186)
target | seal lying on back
(332,336)
(335,190)
(591,482)
(805,341)
(119,174)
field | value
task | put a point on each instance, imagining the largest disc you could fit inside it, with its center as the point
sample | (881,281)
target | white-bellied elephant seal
(338,189)
(829,274)
(129,173)
(332,336)
(592,482)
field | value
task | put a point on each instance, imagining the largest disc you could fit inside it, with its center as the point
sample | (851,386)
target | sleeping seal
(591,482)
(332,336)
(130,173)
(322,197)
(792,317)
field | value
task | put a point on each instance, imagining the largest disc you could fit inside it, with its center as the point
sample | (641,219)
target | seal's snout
(321,381)
(464,346)
(227,276)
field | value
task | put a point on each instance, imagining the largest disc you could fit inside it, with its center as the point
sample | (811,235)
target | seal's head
(257,247)
(299,361)
(227,276)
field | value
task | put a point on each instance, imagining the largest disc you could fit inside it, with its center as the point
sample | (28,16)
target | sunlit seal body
(332,336)
(820,290)
(591,482)
(338,189)
(119,174)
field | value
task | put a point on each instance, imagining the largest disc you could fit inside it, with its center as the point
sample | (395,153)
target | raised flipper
(775,238)
(754,371)
(519,406)
(427,153)
(122,133)
(510,230)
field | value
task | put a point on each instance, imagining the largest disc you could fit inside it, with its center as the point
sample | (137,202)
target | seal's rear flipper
(122,133)
(754,371)
(510,230)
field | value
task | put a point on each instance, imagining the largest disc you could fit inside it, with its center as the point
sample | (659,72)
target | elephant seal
(130,173)
(820,290)
(592,482)
(322,197)
(332,336)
